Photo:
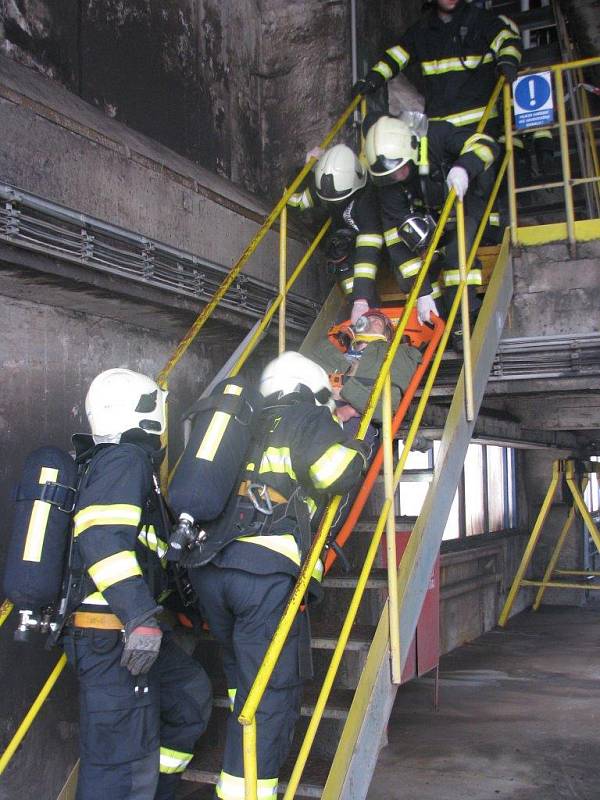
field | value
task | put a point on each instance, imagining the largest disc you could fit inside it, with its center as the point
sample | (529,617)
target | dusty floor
(519,718)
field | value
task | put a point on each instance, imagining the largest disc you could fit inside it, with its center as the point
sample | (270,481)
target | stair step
(206,765)
(534,19)
(337,707)
(376,580)
(325,636)
(542,56)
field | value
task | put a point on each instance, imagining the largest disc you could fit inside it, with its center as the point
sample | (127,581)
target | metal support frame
(561,468)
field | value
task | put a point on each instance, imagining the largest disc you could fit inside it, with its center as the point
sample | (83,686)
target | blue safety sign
(533,100)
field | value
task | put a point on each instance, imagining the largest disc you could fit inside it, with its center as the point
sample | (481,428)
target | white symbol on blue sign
(533,101)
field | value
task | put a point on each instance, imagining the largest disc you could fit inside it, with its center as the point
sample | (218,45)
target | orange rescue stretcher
(418,336)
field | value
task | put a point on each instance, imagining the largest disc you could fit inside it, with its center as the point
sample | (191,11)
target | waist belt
(88,619)
(273,494)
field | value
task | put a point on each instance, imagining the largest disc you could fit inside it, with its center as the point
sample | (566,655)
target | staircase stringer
(358,749)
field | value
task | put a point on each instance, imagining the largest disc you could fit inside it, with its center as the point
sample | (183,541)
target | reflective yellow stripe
(231,695)
(173,760)
(213,436)
(410,268)
(383,69)
(317,573)
(542,135)
(510,24)
(283,543)
(495,218)
(509,50)
(467,117)
(115,568)
(114,514)
(369,240)
(444,65)
(36,530)
(149,538)
(230,787)
(301,200)
(477,144)
(277,460)
(501,38)
(232,388)
(399,54)
(452,277)
(347,285)
(365,270)
(436,290)
(391,236)
(95,599)
(331,465)
(312,506)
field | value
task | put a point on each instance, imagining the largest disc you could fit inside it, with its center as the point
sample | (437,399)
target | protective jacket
(448,147)
(358,382)
(119,542)
(359,215)
(303,457)
(458,60)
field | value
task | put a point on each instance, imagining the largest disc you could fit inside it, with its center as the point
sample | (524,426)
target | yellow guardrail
(563,125)
(247,716)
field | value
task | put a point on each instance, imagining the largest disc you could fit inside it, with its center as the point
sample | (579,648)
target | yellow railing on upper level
(563,125)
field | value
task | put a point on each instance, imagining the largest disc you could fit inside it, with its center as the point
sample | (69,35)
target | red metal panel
(424,653)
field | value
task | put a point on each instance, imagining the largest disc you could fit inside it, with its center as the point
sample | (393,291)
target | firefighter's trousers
(242,610)
(135,744)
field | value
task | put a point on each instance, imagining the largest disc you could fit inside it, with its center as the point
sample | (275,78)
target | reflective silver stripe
(494,218)
(115,568)
(365,270)
(331,465)
(443,65)
(347,285)
(391,236)
(277,460)
(501,38)
(172,761)
(452,277)
(36,530)
(369,240)
(230,787)
(383,69)
(399,54)
(283,543)
(467,117)
(410,268)
(113,514)
(148,537)
(231,693)
(213,436)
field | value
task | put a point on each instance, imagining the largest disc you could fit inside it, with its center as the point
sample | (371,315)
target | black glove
(141,649)
(367,85)
(508,70)
(364,448)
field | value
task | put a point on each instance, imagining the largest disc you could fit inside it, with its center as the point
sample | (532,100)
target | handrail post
(464,305)
(510,169)
(282,275)
(390,531)
(250,760)
(566,163)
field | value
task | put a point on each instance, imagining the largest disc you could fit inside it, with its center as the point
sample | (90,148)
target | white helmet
(390,144)
(119,400)
(339,173)
(286,373)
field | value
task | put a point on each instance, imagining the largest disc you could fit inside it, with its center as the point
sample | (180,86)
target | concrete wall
(49,356)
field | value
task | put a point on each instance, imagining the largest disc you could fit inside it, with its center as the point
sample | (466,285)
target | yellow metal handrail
(247,716)
(567,182)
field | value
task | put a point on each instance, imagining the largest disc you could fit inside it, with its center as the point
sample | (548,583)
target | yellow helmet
(390,144)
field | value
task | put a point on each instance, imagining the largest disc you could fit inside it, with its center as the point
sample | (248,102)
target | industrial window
(485,500)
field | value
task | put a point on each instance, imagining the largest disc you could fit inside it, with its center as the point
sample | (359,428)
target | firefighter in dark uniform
(460,49)
(143,701)
(409,201)
(339,184)
(300,457)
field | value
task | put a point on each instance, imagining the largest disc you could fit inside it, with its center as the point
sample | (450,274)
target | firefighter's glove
(363,448)
(367,85)
(509,71)
(458,179)
(141,648)
(425,308)
(359,308)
